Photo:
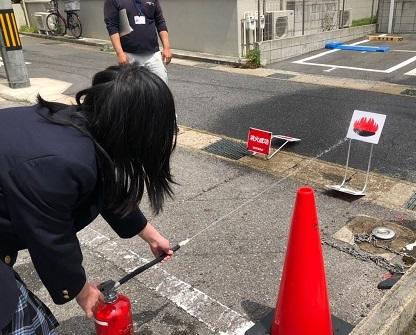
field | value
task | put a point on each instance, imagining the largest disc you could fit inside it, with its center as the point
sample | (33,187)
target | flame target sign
(366,126)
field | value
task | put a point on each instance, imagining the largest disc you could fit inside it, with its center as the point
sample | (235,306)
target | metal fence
(287,18)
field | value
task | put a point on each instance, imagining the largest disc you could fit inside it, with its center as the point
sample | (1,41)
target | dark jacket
(143,39)
(48,192)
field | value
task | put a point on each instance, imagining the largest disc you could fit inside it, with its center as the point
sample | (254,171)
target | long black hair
(130,114)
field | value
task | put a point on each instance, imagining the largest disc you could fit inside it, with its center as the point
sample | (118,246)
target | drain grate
(281,76)
(228,148)
(411,204)
(52,43)
(409,92)
(206,65)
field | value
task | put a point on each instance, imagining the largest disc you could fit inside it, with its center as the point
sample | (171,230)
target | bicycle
(57,24)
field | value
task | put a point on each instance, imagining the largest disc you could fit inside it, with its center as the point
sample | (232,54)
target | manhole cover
(228,148)
(362,224)
(411,204)
(409,92)
(383,233)
(281,76)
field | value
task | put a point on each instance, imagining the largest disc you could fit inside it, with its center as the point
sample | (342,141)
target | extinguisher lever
(107,286)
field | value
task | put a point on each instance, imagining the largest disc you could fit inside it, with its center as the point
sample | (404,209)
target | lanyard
(138,5)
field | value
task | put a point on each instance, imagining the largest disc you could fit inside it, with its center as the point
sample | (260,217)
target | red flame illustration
(365,126)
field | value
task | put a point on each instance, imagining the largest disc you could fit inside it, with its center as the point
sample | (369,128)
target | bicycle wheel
(55,24)
(74,24)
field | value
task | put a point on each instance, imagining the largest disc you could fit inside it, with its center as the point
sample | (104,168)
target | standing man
(133,26)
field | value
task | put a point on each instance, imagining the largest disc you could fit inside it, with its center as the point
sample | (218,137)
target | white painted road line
(216,316)
(411,73)
(305,61)
(344,67)
(402,64)
(2,63)
(408,51)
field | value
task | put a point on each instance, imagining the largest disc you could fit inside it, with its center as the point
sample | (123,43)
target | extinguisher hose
(145,267)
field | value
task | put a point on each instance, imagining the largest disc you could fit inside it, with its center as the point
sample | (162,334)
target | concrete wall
(92,19)
(203,26)
(404,20)
(274,51)
(19,14)
(36,6)
(212,26)
(361,8)
(320,15)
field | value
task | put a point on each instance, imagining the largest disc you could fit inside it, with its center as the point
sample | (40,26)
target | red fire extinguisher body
(114,317)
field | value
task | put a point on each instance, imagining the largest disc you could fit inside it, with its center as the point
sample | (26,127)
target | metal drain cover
(411,204)
(383,233)
(228,148)
(52,43)
(409,92)
(281,76)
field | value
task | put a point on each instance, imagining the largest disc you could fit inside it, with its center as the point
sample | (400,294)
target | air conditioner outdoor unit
(345,17)
(279,24)
(41,21)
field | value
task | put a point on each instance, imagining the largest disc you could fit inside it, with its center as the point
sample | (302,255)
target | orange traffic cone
(302,305)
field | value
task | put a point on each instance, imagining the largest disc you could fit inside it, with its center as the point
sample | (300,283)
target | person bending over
(61,166)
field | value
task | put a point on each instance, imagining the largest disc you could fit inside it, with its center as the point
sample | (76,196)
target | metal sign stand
(342,187)
(286,139)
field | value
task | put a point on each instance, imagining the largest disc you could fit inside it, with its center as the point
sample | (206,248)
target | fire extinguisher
(113,315)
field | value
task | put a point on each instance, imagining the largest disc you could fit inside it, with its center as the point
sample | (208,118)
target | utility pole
(391,17)
(11,47)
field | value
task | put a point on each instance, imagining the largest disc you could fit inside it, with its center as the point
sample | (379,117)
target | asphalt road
(229,104)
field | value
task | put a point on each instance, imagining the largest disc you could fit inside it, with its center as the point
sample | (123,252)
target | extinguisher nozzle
(184,242)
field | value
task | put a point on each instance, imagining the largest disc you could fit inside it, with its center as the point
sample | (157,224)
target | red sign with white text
(259,141)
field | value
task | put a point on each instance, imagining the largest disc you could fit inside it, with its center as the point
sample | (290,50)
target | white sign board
(366,126)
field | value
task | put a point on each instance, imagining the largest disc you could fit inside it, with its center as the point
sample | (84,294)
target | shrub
(363,22)
(253,58)
(28,29)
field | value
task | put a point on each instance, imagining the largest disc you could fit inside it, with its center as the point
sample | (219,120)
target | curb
(395,311)
(94,43)
(207,58)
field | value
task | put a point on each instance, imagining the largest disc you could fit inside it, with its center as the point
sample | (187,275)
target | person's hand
(158,244)
(88,299)
(166,55)
(122,58)
(161,246)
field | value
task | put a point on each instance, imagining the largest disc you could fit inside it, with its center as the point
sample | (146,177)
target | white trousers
(153,62)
